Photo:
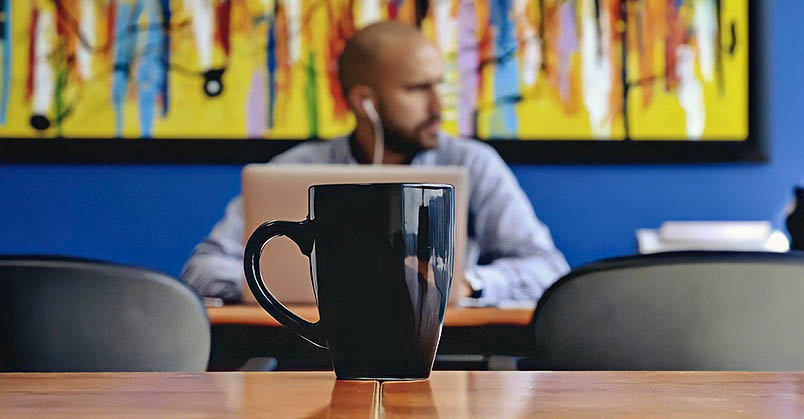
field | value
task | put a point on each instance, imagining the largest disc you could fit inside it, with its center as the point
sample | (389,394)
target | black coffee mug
(381,263)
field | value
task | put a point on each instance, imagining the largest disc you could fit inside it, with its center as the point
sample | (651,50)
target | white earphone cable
(379,138)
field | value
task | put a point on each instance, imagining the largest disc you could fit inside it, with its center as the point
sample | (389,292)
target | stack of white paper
(712,235)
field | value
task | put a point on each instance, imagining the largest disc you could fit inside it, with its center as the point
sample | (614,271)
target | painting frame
(514,151)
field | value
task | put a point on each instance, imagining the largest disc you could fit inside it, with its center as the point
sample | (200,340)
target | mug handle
(301,234)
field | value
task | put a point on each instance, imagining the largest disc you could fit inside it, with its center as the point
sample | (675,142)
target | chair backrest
(64,314)
(676,311)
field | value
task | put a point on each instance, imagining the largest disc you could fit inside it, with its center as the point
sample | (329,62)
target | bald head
(395,69)
(369,50)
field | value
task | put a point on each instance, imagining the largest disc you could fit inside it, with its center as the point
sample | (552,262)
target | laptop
(279,192)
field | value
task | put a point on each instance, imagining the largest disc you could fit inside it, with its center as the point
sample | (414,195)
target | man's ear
(357,95)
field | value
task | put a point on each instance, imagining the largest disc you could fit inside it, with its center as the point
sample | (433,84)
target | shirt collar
(344,151)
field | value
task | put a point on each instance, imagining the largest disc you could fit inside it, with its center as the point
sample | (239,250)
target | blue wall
(154,215)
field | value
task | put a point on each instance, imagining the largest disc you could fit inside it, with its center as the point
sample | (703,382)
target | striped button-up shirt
(510,254)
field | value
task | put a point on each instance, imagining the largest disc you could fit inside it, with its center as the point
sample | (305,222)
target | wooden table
(448,394)
(454,317)
(470,335)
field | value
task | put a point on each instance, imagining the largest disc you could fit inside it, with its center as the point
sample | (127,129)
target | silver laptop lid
(279,192)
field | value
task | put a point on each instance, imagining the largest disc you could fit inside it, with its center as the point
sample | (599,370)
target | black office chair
(675,311)
(65,314)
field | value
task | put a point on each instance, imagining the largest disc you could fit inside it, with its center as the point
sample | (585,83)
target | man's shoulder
(464,150)
(323,151)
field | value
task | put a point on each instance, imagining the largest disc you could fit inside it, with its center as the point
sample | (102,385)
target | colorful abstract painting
(237,69)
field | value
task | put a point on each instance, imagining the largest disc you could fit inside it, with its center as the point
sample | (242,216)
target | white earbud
(379,138)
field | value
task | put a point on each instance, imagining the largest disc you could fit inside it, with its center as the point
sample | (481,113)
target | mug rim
(386,184)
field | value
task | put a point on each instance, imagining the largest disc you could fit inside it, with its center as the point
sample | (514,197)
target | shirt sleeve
(215,268)
(517,257)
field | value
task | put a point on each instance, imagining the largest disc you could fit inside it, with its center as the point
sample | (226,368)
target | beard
(402,141)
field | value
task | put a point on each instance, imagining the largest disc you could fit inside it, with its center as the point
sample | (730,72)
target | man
(390,73)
